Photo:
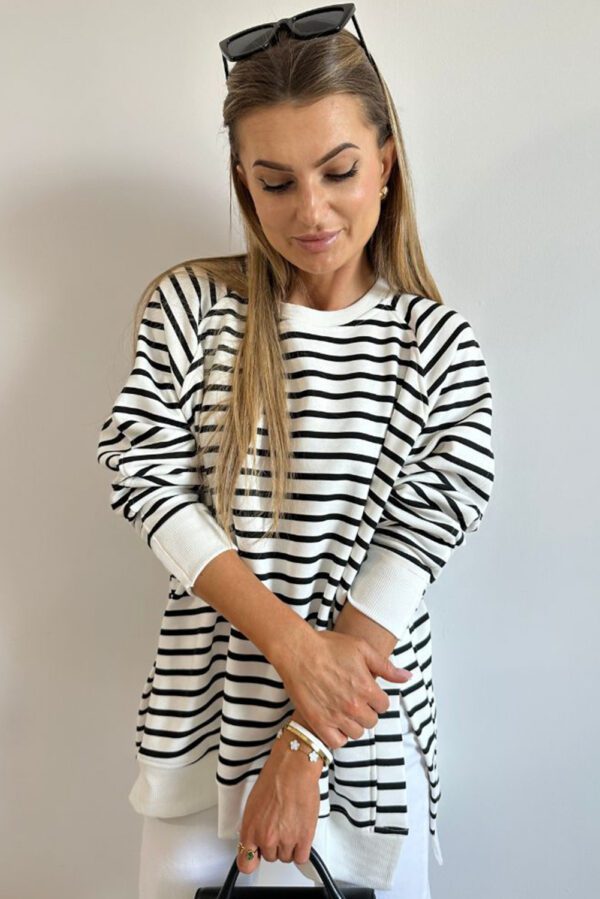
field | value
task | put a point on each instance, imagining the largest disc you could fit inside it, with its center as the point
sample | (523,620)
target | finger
(302,853)
(245,864)
(379,700)
(337,740)
(366,718)
(269,853)
(382,667)
(285,853)
(352,729)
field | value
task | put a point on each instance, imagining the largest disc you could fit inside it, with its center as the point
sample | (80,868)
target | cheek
(361,208)
(363,195)
(270,213)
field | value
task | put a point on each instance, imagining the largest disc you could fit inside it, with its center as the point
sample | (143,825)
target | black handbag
(328,889)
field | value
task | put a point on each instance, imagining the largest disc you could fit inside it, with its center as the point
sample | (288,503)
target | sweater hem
(163,792)
(365,858)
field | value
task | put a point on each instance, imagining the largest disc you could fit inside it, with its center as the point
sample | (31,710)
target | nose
(312,204)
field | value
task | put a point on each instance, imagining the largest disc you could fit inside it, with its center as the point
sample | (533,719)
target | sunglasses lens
(318,23)
(248,43)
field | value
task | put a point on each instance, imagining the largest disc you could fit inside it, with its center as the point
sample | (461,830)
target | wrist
(284,655)
(301,720)
(296,760)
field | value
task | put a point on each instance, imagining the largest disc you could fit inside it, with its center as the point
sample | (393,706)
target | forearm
(228,585)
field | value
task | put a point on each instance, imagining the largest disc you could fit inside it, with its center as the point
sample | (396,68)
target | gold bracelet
(313,755)
(301,736)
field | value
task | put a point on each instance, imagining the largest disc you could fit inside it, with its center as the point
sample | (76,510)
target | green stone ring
(250,853)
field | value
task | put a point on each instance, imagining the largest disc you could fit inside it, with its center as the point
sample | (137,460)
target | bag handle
(329,884)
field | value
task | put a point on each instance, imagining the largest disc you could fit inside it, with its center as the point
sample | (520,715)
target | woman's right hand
(330,678)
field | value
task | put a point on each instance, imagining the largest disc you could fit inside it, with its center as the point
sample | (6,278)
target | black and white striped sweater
(391,413)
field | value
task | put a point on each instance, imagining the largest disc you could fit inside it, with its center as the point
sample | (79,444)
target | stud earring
(383,192)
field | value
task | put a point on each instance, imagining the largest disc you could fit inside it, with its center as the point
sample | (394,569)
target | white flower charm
(294,745)
(313,756)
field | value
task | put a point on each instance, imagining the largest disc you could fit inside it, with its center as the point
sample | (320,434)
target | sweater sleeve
(148,443)
(442,490)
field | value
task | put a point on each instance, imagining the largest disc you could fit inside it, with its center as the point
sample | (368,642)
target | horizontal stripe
(391,409)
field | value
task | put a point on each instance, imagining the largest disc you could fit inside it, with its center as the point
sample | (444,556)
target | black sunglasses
(312,23)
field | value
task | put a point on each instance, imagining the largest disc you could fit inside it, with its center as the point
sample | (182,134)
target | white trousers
(179,855)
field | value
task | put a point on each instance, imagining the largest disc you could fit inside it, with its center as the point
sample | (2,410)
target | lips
(316,245)
(321,235)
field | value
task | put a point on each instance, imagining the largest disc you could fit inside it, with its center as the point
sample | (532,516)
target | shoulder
(441,334)
(187,293)
(177,309)
(430,321)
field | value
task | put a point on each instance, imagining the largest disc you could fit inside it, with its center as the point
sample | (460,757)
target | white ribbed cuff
(388,589)
(188,541)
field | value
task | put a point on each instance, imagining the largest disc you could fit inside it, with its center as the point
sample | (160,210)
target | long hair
(298,72)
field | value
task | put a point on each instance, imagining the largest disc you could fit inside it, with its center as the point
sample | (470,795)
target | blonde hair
(298,72)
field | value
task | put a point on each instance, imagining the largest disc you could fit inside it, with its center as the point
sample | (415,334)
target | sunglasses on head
(312,23)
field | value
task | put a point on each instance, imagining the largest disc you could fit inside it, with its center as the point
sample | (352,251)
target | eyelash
(281,188)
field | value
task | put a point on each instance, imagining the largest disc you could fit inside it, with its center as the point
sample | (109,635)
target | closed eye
(280,188)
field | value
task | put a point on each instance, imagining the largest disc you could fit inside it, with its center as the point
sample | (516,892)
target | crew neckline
(306,315)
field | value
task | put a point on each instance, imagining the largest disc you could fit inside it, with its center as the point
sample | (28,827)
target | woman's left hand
(282,809)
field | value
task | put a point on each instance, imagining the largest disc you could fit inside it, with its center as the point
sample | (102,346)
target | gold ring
(250,853)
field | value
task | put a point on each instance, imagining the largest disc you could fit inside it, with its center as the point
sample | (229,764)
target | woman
(298,570)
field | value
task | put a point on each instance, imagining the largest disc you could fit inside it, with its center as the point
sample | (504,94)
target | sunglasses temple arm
(225,66)
(360,37)
(362,40)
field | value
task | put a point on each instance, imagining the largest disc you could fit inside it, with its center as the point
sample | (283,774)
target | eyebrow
(287,168)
